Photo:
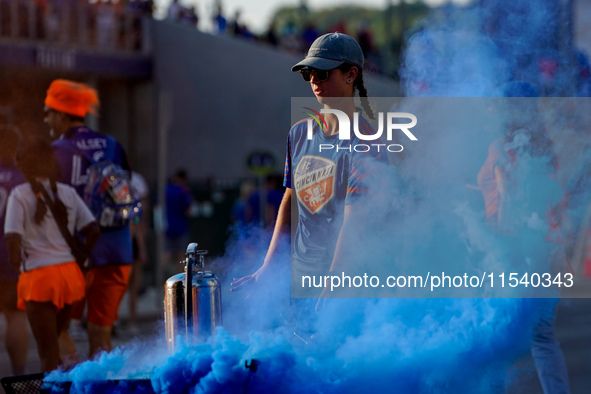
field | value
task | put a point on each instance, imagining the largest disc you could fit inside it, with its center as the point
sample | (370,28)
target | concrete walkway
(150,311)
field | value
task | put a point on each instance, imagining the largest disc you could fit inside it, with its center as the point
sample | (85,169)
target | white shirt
(44,245)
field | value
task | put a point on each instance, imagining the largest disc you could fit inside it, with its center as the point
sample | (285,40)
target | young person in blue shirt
(326,183)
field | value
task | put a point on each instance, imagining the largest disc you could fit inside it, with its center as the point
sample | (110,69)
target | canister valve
(192,253)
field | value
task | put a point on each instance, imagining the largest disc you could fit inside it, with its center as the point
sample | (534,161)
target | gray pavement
(150,312)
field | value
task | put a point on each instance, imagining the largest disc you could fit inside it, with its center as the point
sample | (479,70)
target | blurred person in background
(218,19)
(51,20)
(107,14)
(271,35)
(141,7)
(309,34)
(290,40)
(178,201)
(274,197)
(77,147)
(138,10)
(365,39)
(273,194)
(339,26)
(239,215)
(17,333)
(189,17)
(503,181)
(51,280)
(236,28)
(175,11)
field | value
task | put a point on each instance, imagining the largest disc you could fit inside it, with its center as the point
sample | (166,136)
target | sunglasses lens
(322,75)
(307,75)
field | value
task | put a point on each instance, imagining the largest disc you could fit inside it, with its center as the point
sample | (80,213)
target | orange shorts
(105,288)
(60,284)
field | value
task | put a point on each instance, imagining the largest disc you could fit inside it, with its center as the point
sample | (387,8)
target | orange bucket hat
(72,98)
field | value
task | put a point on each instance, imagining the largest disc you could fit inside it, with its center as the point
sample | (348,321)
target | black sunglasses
(322,75)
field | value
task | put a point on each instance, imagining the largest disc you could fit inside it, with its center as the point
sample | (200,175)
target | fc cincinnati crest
(315,179)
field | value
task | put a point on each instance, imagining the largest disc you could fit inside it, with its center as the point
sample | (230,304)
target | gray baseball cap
(330,51)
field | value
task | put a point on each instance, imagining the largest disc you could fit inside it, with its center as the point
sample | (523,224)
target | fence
(102,25)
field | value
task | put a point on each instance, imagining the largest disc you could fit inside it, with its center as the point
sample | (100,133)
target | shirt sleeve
(366,173)
(15,213)
(82,213)
(287,171)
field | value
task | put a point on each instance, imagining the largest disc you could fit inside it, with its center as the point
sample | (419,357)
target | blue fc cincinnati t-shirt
(323,181)
(76,150)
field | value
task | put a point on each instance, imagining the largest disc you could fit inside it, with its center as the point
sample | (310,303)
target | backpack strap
(62,222)
(78,249)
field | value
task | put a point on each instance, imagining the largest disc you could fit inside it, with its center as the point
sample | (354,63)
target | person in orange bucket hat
(77,147)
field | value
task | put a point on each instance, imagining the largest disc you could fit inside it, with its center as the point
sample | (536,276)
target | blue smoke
(412,345)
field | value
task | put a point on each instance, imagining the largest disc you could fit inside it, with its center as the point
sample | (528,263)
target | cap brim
(318,63)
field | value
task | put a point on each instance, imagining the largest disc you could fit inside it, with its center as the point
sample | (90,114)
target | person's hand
(321,300)
(246,281)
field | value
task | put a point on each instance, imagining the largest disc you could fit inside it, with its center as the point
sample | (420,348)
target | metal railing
(79,23)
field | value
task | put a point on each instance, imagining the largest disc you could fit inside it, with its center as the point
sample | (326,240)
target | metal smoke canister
(192,311)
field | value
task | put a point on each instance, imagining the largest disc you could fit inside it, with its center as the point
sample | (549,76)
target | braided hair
(361,88)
